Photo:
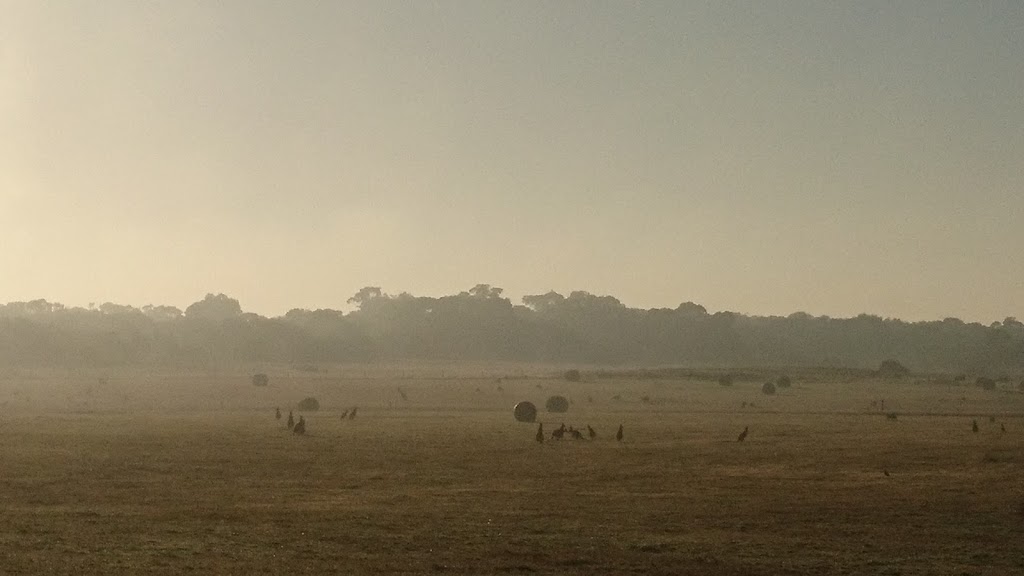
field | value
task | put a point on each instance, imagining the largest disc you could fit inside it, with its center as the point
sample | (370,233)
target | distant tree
(691,310)
(111,309)
(768,388)
(366,295)
(543,302)
(572,375)
(260,380)
(309,404)
(161,313)
(485,291)
(214,307)
(783,381)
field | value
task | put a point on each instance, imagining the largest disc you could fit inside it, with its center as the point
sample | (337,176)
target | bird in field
(618,435)
(974,426)
(540,433)
(743,435)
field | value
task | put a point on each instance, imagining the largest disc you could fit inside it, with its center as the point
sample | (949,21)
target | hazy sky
(761,157)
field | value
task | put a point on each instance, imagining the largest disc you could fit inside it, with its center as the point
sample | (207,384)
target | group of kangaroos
(576,434)
(300,426)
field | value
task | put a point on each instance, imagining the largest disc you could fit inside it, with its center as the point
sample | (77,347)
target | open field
(170,473)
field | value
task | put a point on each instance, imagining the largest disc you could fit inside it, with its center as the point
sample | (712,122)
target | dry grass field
(171,473)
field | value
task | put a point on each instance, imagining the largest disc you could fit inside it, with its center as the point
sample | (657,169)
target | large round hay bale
(309,404)
(557,404)
(525,412)
(260,380)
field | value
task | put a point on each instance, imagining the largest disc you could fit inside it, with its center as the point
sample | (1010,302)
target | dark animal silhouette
(344,414)
(540,433)
(300,426)
(577,435)
(558,433)
(743,435)
(1002,427)
(291,420)
(352,414)
(886,472)
(618,435)
(992,419)
(277,413)
(974,426)
(590,432)
(402,394)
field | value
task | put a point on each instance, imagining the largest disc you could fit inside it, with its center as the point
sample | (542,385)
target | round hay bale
(525,412)
(557,404)
(260,380)
(768,388)
(309,404)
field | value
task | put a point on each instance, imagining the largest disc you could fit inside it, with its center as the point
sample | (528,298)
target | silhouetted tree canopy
(482,324)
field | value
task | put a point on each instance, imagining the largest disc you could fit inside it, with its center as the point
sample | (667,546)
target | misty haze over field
(762,157)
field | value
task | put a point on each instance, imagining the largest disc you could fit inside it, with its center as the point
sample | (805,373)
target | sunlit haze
(760,157)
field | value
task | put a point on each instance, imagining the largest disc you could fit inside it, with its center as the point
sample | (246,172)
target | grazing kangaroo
(618,435)
(344,414)
(300,427)
(352,414)
(558,433)
(974,426)
(743,435)
(277,413)
(291,420)
(590,432)
(540,433)
(577,435)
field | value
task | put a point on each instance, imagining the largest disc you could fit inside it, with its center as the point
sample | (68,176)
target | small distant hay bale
(572,375)
(260,380)
(557,404)
(768,388)
(525,412)
(309,404)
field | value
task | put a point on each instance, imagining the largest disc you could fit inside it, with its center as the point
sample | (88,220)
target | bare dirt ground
(171,473)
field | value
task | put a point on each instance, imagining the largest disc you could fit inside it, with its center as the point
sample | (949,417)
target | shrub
(986,383)
(768,388)
(260,380)
(783,381)
(557,404)
(725,380)
(892,369)
(309,404)
(572,375)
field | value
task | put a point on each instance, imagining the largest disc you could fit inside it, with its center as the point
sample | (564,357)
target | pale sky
(760,157)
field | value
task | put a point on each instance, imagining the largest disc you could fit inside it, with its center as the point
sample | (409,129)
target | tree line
(481,324)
